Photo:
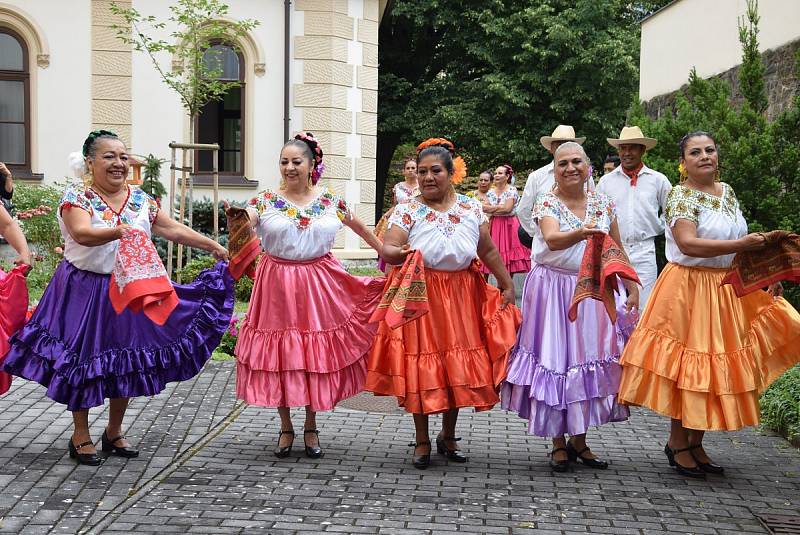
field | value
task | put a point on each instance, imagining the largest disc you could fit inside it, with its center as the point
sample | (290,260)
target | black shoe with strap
(90,459)
(575,455)
(421,461)
(559,466)
(709,467)
(312,452)
(282,452)
(122,451)
(455,454)
(690,471)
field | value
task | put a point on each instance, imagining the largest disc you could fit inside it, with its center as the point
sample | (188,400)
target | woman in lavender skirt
(564,376)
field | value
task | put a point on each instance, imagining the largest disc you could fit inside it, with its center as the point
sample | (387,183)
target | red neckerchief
(633,175)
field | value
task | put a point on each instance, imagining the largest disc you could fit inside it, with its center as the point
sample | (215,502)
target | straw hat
(563,132)
(632,135)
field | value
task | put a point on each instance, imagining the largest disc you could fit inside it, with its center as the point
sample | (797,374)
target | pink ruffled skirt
(516,257)
(305,338)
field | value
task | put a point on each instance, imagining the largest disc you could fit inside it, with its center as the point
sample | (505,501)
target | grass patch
(219,356)
(780,406)
(365,272)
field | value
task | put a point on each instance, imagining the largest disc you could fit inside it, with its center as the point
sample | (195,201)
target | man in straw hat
(542,180)
(641,198)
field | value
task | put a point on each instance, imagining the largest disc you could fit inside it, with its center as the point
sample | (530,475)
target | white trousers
(642,255)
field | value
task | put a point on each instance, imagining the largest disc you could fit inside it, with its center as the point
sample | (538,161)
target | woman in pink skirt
(304,340)
(501,206)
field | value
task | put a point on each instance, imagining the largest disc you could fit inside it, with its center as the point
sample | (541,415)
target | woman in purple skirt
(563,376)
(76,345)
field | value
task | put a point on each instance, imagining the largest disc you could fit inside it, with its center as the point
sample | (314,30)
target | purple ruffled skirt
(83,352)
(562,376)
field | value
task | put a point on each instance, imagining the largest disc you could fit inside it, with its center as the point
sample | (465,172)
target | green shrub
(780,405)
(191,270)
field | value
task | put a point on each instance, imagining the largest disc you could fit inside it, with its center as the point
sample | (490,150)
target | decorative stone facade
(781,82)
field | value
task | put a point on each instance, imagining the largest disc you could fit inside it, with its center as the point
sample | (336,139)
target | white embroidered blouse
(496,200)
(140,211)
(600,212)
(717,218)
(297,232)
(403,193)
(448,240)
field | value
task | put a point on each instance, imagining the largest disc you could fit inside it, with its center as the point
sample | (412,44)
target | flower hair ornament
(459,165)
(319,167)
(77,160)
(510,172)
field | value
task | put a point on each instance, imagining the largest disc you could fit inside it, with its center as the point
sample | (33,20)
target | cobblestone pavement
(206,467)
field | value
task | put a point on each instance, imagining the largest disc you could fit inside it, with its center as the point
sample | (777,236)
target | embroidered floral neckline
(304,216)
(593,211)
(444,221)
(725,203)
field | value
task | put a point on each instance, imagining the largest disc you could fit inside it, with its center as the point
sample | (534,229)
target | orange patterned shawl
(243,244)
(405,297)
(603,261)
(779,260)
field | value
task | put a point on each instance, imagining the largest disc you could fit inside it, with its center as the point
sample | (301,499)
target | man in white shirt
(641,198)
(542,180)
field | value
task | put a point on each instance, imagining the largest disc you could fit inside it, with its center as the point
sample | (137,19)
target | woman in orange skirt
(455,355)
(700,354)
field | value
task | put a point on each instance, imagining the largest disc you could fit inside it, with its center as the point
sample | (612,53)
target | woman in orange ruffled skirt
(700,354)
(455,355)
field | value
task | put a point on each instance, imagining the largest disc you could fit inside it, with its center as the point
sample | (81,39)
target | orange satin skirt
(455,355)
(702,355)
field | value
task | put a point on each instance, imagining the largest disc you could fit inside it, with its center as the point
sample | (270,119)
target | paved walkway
(206,467)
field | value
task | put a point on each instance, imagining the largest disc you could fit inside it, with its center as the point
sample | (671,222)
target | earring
(716,175)
(683,173)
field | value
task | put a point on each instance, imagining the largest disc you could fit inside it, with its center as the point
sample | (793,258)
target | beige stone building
(309,65)
(704,35)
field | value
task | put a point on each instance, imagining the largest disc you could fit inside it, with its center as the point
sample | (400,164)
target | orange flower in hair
(436,142)
(459,170)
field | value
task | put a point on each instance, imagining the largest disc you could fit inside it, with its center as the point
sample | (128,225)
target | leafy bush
(780,405)
(191,270)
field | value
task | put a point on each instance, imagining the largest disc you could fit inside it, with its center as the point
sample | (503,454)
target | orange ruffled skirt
(702,355)
(455,355)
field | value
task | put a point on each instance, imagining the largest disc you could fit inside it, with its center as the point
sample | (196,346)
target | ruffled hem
(317,352)
(452,376)
(84,382)
(575,419)
(295,388)
(711,391)
(596,379)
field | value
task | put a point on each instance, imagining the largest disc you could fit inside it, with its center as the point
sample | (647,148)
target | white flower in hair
(77,164)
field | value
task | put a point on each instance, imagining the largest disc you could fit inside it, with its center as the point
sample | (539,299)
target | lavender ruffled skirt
(562,376)
(77,346)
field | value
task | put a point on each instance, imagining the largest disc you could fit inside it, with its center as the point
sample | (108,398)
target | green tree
(196,66)
(496,75)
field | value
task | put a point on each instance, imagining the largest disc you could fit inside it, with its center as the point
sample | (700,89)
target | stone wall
(781,83)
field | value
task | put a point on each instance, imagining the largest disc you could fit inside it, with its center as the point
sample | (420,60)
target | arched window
(14,101)
(223,121)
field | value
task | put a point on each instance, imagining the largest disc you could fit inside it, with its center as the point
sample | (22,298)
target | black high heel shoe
(454,455)
(285,451)
(421,461)
(559,466)
(90,459)
(689,471)
(574,455)
(122,451)
(313,452)
(710,468)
